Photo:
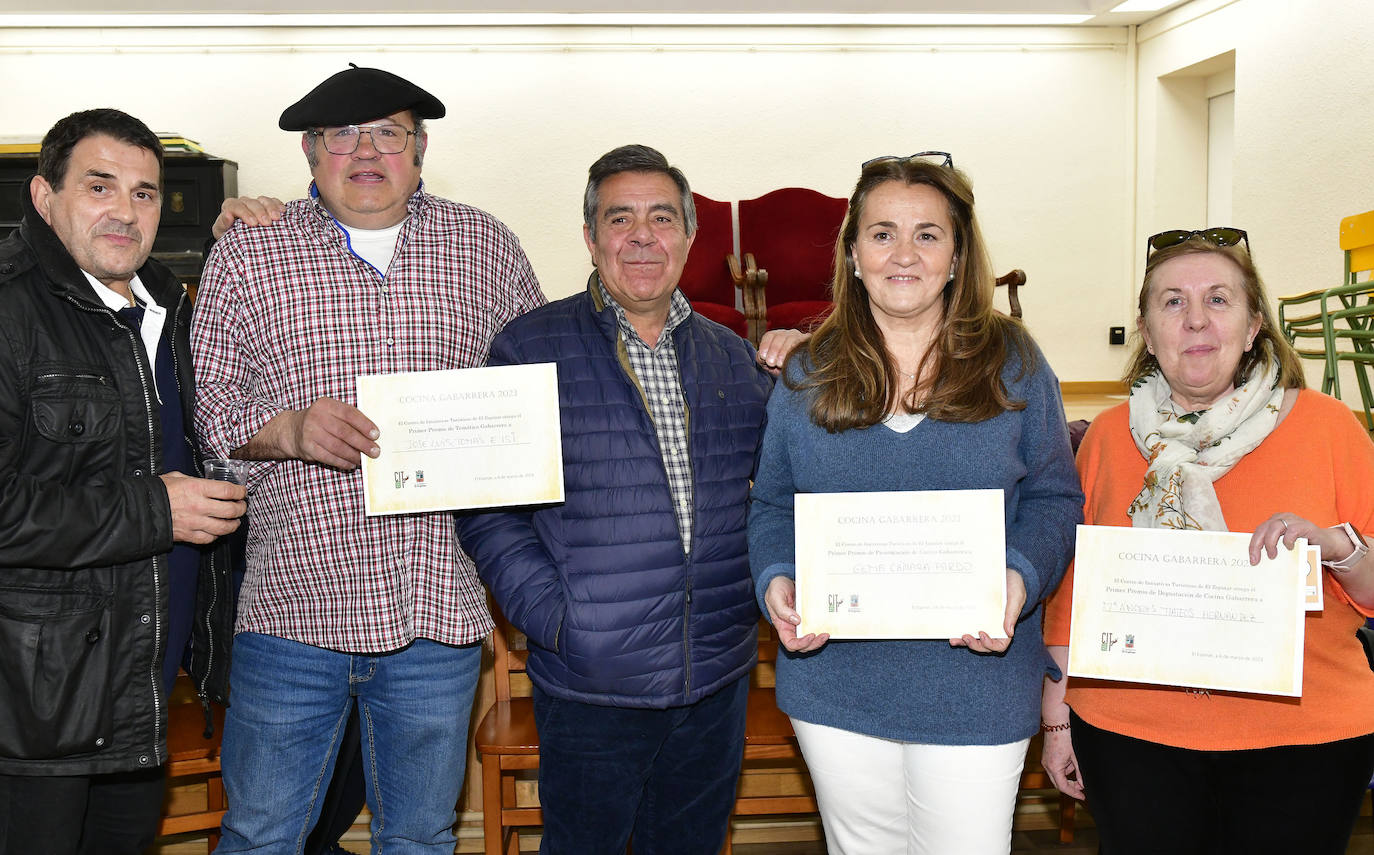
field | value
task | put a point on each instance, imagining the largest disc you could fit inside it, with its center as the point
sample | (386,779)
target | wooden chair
(1012,281)
(190,756)
(507,745)
(1034,777)
(770,746)
(711,275)
(1336,325)
(788,241)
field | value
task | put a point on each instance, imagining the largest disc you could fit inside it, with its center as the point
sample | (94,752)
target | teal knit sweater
(925,691)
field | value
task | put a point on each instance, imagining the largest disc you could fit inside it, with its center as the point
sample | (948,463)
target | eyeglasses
(386,139)
(948,162)
(1216,235)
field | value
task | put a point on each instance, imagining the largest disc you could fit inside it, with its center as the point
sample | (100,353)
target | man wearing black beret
(367,275)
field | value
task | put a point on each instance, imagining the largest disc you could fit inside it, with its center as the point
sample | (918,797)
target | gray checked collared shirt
(660,378)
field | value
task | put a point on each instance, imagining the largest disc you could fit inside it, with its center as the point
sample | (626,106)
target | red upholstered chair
(788,240)
(712,272)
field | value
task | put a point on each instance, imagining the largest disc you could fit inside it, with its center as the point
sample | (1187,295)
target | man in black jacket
(108,569)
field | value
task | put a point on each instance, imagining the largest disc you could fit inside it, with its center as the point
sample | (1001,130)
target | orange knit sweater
(1319,464)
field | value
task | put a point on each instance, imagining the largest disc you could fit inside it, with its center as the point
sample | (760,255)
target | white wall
(1304,128)
(1080,141)
(1037,117)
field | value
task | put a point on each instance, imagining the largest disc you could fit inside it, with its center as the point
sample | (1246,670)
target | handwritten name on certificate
(465,438)
(1186,608)
(928,564)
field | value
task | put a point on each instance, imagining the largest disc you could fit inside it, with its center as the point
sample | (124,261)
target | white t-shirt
(375,246)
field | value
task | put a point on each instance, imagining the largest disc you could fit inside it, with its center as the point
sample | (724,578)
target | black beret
(359,95)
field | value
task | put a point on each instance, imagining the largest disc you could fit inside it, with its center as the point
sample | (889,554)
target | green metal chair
(1336,325)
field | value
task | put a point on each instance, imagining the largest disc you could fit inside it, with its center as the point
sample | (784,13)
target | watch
(1359,551)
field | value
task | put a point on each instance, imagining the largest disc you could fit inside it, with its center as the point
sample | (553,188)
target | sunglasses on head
(1217,236)
(948,160)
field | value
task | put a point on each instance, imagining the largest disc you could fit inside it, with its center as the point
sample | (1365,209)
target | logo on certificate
(1108,641)
(401,479)
(1130,643)
(419,477)
(837,603)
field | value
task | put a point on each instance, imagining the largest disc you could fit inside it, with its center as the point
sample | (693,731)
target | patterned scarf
(1186,452)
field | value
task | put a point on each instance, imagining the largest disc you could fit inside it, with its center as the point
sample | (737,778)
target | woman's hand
(1016,599)
(1057,756)
(781,599)
(1286,528)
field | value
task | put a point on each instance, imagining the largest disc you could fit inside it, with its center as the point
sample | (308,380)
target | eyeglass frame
(948,164)
(363,129)
(1207,234)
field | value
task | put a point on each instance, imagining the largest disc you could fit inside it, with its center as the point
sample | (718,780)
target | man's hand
(775,345)
(203,510)
(254,212)
(330,432)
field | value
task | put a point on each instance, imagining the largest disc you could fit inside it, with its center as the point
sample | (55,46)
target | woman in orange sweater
(1219,434)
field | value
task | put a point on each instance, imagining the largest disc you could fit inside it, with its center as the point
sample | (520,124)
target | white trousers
(884,797)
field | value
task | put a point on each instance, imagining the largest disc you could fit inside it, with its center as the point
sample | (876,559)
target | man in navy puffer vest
(635,591)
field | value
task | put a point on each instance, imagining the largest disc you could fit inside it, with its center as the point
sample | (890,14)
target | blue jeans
(289,709)
(667,777)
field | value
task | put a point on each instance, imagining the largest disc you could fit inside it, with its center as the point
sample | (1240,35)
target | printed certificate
(1312,583)
(465,438)
(928,564)
(1186,608)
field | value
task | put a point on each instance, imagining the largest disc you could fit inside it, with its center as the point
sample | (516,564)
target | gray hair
(634,158)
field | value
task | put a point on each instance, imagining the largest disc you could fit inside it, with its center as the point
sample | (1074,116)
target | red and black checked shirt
(286,314)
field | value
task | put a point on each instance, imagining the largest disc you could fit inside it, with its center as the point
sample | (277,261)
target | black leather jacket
(85,522)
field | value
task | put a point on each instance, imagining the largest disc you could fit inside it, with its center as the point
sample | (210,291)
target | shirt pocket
(55,694)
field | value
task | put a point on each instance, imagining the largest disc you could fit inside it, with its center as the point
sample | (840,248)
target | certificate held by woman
(912,564)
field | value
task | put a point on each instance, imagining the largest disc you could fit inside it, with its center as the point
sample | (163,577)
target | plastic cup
(233,471)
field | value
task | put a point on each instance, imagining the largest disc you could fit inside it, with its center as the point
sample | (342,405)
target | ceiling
(1093,12)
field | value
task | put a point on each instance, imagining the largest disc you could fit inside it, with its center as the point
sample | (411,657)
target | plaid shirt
(286,314)
(661,383)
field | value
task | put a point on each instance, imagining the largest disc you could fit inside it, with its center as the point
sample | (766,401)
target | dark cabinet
(194,185)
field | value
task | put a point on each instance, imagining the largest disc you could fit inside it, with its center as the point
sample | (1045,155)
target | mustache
(115,227)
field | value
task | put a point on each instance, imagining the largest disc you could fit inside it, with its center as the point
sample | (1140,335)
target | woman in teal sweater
(915,382)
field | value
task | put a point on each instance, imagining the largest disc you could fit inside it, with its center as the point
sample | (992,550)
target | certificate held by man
(907,565)
(1186,608)
(465,438)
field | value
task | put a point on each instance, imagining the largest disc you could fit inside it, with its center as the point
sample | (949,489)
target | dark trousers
(345,797)
(664,777)
(82,815)
(1152,798)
